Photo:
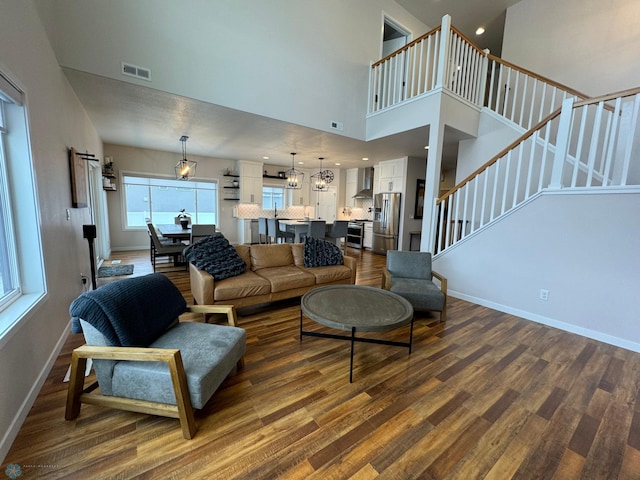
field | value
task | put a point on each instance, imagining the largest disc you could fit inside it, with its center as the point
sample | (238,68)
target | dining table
(174,231)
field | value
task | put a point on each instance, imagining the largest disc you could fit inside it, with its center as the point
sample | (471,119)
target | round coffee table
(356,308)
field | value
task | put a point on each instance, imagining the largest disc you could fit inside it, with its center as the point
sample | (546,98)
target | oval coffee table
(356,308)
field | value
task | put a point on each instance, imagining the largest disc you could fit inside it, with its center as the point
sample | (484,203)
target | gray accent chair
(409,274)
(145,359)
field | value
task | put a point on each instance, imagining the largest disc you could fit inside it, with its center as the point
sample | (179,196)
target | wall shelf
(231,175)
(232,187)
(274,176)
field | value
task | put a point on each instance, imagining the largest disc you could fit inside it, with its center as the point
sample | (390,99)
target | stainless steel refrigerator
(386,222)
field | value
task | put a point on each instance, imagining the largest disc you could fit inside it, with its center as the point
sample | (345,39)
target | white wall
(56,121)
(590,45)
(311,70)
(576,246)
(161,163)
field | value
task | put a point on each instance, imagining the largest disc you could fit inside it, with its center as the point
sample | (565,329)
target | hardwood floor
(486,395)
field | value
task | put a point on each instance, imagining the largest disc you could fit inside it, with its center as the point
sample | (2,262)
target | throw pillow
(320,253)
(216,256)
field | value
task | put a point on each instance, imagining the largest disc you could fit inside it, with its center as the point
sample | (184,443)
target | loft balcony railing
(444,59)
(586,145)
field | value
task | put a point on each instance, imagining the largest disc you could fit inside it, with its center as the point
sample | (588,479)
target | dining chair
(338,231)
(162,249)
(263,230)
(276,233)
(200,231)
(317,229)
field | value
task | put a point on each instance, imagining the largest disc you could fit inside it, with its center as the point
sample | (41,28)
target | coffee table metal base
(352,338)
(356,309)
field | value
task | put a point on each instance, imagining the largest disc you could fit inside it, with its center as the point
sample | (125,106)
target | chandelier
(185,169)
(294,177)
(320,181)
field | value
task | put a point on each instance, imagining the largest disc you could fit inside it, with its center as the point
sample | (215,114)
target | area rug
(115,271)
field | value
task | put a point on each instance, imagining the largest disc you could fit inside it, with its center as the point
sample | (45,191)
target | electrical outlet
(544,294)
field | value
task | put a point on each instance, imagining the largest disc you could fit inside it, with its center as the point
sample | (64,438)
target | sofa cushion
(286,278)
(248,284)
(267,256)
(244,251)
(329,274)
(152,381)
(297,250)
(320,253)
(215,256)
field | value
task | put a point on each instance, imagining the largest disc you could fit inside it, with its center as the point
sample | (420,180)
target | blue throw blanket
(130,312)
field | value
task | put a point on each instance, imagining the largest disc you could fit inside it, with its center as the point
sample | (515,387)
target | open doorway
(394,36)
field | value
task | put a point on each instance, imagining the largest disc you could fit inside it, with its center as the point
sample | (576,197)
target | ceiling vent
(135,71)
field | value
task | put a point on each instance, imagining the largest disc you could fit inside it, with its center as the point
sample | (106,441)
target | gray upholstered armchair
(409,275)
(144,358)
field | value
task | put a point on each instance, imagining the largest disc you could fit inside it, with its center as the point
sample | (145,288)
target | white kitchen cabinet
(351,187)
(250,182)
(367,238)
(391,176)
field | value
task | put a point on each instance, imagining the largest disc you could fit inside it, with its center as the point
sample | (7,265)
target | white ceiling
(134,115)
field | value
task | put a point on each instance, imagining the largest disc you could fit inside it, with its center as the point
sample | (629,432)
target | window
(9,279)
(161,199)
(22,274)
(272,197)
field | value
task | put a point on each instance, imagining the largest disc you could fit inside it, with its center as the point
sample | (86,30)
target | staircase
(568,141)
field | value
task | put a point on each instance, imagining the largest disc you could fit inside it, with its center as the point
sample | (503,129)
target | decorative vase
(185,223)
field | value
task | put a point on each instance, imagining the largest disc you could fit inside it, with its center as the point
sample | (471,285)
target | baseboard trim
(25,408)
(567,327)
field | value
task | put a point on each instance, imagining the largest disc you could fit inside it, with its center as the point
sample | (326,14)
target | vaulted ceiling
(129,114)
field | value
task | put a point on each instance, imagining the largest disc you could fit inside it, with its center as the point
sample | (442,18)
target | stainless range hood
(365,183)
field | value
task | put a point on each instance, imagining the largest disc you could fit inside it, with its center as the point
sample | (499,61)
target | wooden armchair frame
(183,410)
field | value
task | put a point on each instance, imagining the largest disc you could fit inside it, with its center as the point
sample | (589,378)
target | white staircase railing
(588,144)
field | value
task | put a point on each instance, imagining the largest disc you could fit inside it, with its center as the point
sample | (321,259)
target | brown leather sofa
(274,272)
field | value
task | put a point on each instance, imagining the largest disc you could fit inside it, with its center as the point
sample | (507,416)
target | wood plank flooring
(486,395)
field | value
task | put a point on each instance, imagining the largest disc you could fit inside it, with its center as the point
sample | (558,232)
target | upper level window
(161,199)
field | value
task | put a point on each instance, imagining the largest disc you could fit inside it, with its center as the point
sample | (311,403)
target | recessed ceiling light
(300,163)
(337,164)
(480,31)
(265,158)
(426,147)
(365,158)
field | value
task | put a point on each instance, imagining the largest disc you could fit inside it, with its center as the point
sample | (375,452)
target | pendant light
(317,182)
(185,169)
(294,177)
(320,180)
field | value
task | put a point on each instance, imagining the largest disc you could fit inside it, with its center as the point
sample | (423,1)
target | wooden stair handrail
(407,46)
(502,153)
(607,97)
(538,77)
